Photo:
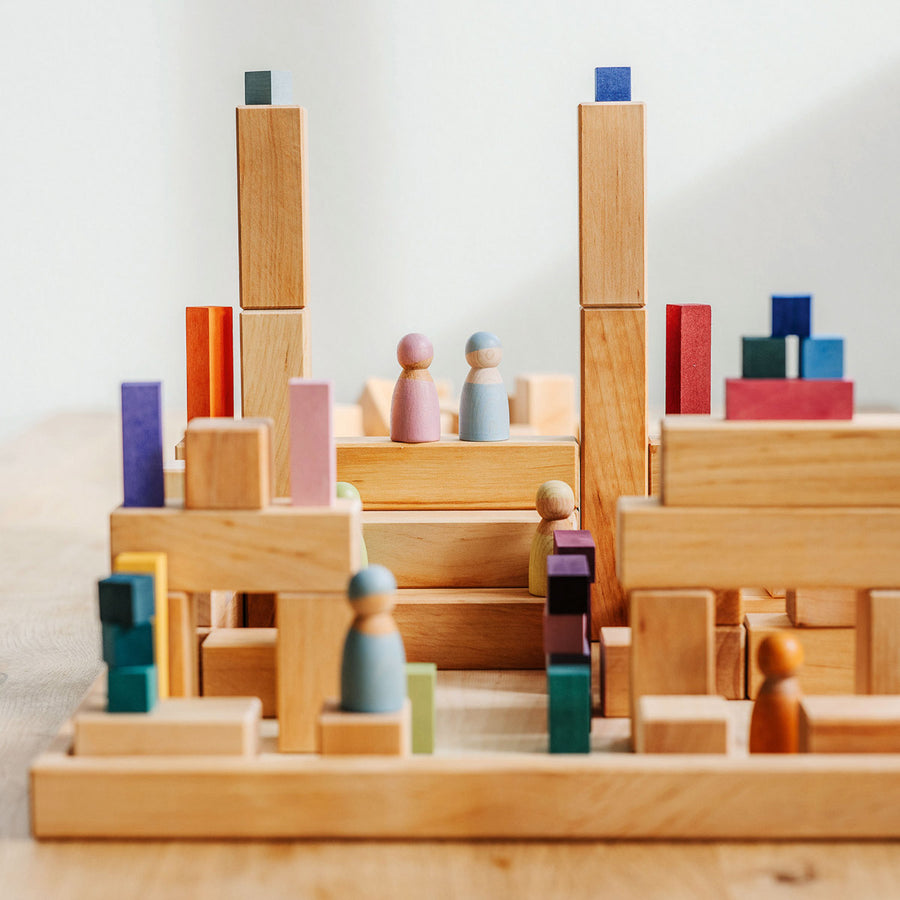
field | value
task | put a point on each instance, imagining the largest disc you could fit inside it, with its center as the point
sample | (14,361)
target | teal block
(131,689)
(126,599)
(822,356)
(128,646)
(569,708)
(763,357)
(421,681)
(269,88)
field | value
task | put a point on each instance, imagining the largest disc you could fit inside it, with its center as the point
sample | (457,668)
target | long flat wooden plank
(712,462)
(454,474)
(718,547)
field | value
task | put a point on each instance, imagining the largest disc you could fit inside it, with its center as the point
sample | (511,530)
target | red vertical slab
(312,449)
(688,358)
(210,361)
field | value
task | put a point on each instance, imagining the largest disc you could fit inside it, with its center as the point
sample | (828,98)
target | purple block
(568,585)
(142,456)
(576,542)
(566,634)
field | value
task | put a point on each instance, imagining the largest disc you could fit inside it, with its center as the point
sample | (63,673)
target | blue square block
(763,357)
(128,646)
(822,356)
(569,708)
(612,83)
(791,315)
(131,689)
(126,599)
(269,88)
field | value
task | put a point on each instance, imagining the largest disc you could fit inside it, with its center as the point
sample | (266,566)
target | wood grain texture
(272,190)
(878,642)
(682,724)
(615,664)
(240,662)
(850,724)
(454,474)
(183,662)
(654,454)
(371,734)
(821,607)
(731,661)
(613,440)
(546,402)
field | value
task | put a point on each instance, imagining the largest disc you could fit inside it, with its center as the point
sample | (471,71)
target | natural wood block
(375,401)
(654,485)
(729,607)
(759,600)
(186,726)
(184,672)
(878,642)
(240,662)
(719,547)
(348,420)
(788,398)
(218,609)
(209,345)
(546,402)
(821,607)
(850,724)
(611,166)
(452,548)
(688,358)
(228,464)
(615,663)
(274,349)
(272,189)
(259,610)
(274,549)
(711,462)
(312,628)
(312,458)
(173,481)
(454,474)
(682,724)
(179,450)
(613,439)
(472,629)
(828,663)
(365,734)
(731,661)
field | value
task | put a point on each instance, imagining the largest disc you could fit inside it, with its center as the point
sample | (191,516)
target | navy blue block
(791,315)
(612,83)
(568,585)
(131,689)
(126,599)
(142,456)
(268,88)
(822,356)
(128,646)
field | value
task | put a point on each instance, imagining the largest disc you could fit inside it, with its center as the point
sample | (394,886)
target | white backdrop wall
(443,178)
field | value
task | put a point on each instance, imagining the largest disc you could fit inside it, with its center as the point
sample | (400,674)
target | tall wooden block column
(878,642)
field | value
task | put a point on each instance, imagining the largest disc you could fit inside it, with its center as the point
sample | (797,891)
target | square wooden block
(364,734)
(682,724)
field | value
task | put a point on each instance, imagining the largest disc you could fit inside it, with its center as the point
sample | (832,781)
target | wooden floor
(57,485)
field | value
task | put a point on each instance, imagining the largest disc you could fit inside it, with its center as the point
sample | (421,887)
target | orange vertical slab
(210,361)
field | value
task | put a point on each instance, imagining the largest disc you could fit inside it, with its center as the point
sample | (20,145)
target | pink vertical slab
(313,456)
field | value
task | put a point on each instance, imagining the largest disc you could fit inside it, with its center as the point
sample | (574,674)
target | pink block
(788,398)
(313,455)
(566,634)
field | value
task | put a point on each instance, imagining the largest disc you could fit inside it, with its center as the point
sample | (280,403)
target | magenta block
(313,454)
(579,542)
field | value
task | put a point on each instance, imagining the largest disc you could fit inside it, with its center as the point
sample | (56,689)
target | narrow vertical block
(127,646)
(312,449)
(729,607)
(687,724)
(566,634)
(274,349)
(611,166)
(569,708)
(210,361)
(612,84)
(791,398)
(142,456)
(731,661)
(421,683)
(271,160)
(576,543)
(791,315)
(878,642)
(613,440)
(763,357)
(688,358)
(615,670)
(568,585)
(131,689)
(126,599)
(184,663)
(822,357)
(275,88)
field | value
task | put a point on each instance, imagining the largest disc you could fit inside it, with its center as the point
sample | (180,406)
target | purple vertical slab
(142,456)
(580,543)
(568,585)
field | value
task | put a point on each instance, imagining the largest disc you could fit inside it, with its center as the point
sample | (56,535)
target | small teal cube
(822,357)
(763,357)
(126,599)
(612,84)
(269,88)
(131,689)
(128,646)
(569,708)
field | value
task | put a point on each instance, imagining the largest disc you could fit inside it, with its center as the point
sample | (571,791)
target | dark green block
(126,599)
(128,646)
(131,689)
(763,357)
(569,708)
(421,680)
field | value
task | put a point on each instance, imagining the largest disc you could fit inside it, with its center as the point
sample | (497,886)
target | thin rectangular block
(688,358)
(566,634)
(421,682)
(272,189)
(126,599)
(763,357)
(275,88)
(611,172)
(184,664)
(686,724)
(454,474)
(654,484)
(228,464)
(274,349)
(546,402)
(131,689)
(577,543)
(790,398)
(729,607)
(615,669)
(209,348)
(850,724)
(188,726)
(569,708)
(613,440)
(731,661)
(173,481)
(612,84)
(791,315)
(127,646)
(219,609)
(568,585)
(365,734)
(878,642)
(313,460)
(822,356)
(821,607)
(259,610)
(142,457)
(240,662)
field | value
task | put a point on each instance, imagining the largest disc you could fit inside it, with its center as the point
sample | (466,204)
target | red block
(688,355)
(210,362)
(788,398)
(566,634)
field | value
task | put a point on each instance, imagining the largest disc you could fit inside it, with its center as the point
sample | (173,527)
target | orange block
(210,361)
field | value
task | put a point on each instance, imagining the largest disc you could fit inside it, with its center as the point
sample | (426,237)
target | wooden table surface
(58,483)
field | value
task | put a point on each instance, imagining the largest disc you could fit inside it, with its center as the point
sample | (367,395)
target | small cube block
(612,84)
(822,357)
(268,88)
(128,646)
(131,689)
(569,708)
(575,543)
(791,315)
(344,733)
(682,724)
(763,357)
(566,634)
(568,585)
(126,599)
(421,681)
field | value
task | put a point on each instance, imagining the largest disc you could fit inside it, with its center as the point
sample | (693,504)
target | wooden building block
(375,401)
(259,610)
(187,726)
(173,481)
(228,464)
(654,455)
(132,689)
(791,315)
(279,548)
(821,607)
(711,462)
(731,661)
(421,682)
(828,664)
(569,708)
(615,669)
(454,474)
(672,643)
(613,439)
(682,724)
(579,543)
(568,586)
(210,361)
(688,358)
(822,356)
(268,88)
(312,454)
(127,646)
(240,662)
(348,420)
(142,459)
(611,167)
(878,642)
(126,599)
(759,600)
(274,349)
(850,723)
(729,607)
(788,398)
(566,634)
(546,402)
(219,609)
(184,671)
(763,357)
(272,189)
(312,628)
(364,734)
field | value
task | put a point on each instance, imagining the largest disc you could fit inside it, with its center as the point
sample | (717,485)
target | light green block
(421,680)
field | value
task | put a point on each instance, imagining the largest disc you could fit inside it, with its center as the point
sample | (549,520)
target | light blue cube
(822,356)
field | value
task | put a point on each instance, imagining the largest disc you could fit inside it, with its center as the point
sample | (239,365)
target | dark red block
(788,398)
(688,358)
